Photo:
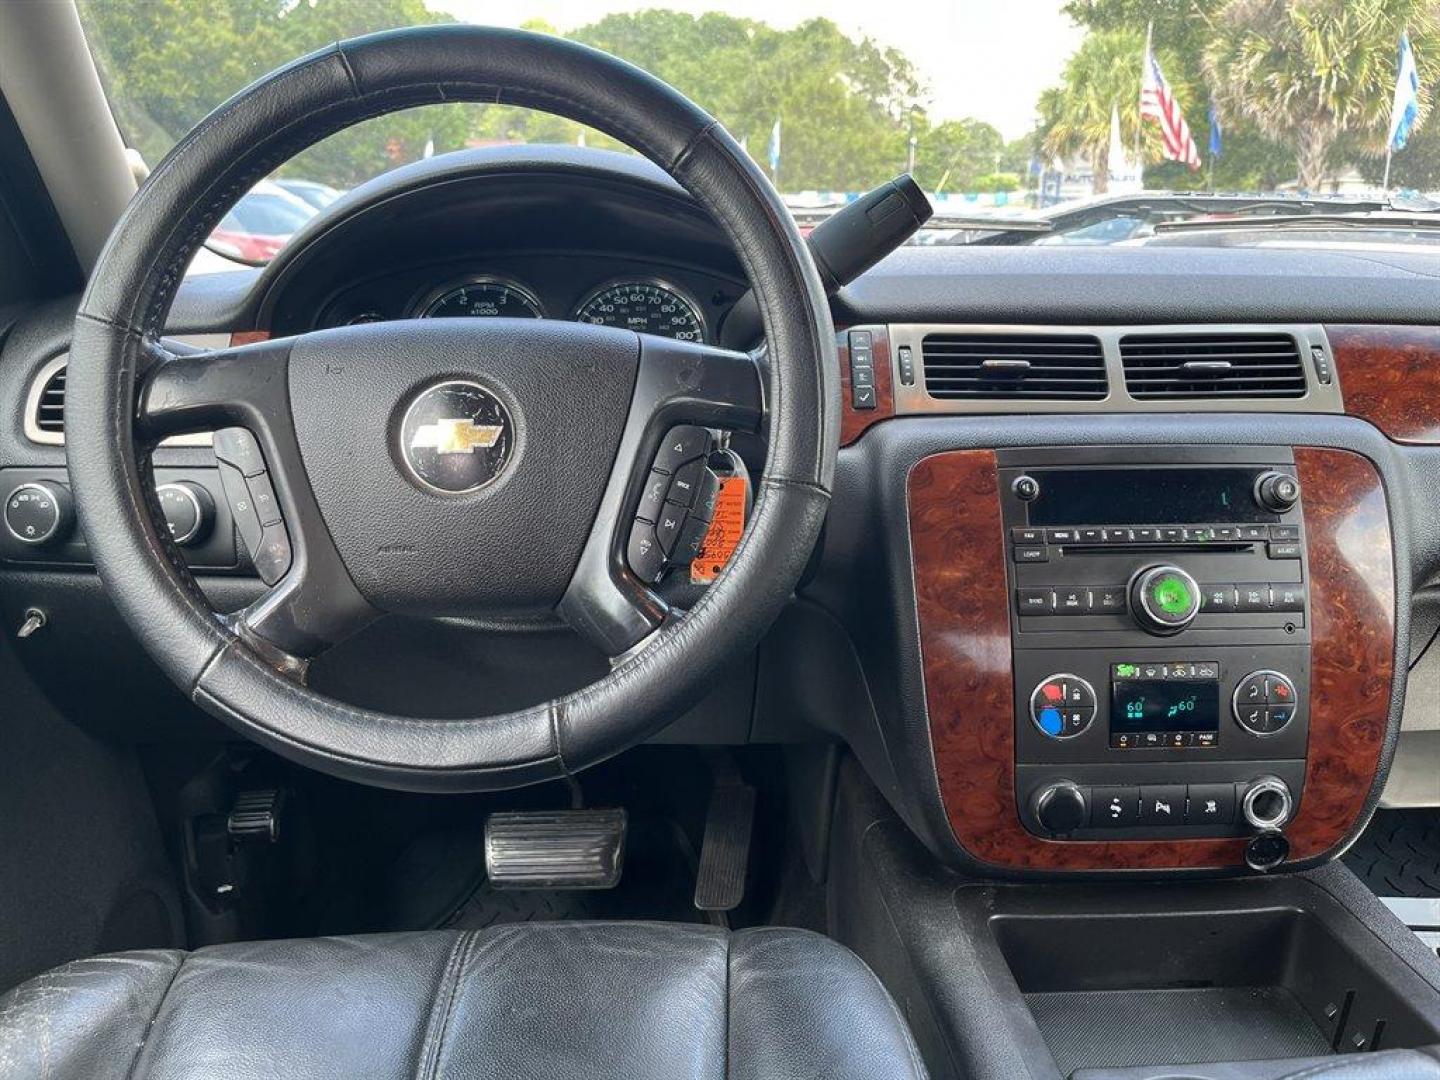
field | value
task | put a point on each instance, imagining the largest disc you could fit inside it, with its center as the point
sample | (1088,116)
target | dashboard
(1053,611)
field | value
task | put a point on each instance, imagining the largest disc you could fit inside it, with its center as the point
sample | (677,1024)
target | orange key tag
(725,529)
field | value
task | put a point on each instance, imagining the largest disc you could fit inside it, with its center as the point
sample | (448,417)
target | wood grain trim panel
(962,597)
(853,421)
(1352,633)
(1390,377)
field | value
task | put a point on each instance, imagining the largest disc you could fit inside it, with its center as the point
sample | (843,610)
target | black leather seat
(551,1000)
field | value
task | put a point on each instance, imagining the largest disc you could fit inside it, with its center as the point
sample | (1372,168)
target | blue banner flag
(1406,105)
(775,146)
(1214,132)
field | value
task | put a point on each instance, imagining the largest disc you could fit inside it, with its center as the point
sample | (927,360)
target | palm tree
(1307,72)
(1103,74)
(1075,117)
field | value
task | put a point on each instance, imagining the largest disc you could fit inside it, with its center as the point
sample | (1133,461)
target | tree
(956,154)
(167,63)
(1307,73)
(1102,76)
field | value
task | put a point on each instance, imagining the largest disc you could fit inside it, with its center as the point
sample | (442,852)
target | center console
(1160,634)
(1153,657)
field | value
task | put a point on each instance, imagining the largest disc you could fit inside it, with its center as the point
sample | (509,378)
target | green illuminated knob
(1164,599)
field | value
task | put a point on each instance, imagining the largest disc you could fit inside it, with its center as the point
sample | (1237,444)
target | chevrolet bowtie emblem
(456,436)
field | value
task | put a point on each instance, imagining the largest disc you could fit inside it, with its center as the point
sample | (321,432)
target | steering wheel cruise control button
(236,446)
(262,496)
(272,557)
(242,507)
(1164,599)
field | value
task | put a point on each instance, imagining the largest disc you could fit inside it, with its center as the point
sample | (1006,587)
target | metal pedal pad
(725,852)
(555,849)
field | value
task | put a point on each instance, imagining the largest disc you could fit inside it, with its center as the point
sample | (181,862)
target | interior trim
(915,400)
(1392,376)
(854,422)
(958,554)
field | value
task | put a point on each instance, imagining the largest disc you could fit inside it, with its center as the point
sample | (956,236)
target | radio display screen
(1162,496)
(1164,705)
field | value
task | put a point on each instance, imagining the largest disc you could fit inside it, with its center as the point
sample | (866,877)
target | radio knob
(1164,599)
(39,512)
(1060,807)
(1277,491)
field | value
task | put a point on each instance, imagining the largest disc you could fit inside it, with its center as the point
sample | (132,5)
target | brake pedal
(725,851)
(555,849)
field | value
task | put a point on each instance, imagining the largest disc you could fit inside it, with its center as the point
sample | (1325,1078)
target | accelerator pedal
(725,852)
(555,849)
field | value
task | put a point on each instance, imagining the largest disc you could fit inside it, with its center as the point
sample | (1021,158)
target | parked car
(316,194)
(260,224)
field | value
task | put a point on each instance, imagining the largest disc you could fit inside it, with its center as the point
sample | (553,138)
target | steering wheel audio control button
(657,486)
(644,554)
(682,444)
(236,446)
(667,529)
(1062,706)
(684,482)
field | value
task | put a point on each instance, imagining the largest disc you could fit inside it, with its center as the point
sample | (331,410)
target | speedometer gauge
(482,297)
(647,307)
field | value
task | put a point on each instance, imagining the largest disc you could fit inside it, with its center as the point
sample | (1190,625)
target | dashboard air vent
(1062,367)
(1216,365)
(50,406)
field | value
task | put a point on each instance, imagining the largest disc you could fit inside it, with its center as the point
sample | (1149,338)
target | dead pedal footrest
(555,849)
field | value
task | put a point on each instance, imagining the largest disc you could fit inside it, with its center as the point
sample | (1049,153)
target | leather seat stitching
(130,1073)
(427,1066)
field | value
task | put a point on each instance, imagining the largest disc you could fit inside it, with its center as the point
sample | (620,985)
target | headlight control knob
(1164,599)
(40,512)
(189,511)
(1061,807)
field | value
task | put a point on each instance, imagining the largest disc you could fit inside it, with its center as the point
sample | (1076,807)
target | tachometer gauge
(647,307)
(481,297)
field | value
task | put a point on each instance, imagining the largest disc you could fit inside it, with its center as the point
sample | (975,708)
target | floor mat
(1399,854)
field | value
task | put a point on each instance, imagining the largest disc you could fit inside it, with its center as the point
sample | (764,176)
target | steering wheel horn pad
(583,406)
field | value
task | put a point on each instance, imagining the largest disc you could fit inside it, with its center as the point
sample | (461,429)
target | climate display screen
(1158,705)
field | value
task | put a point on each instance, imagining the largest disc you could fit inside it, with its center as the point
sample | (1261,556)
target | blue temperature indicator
(1050,721)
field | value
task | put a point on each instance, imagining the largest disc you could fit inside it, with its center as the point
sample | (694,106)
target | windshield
(1086,122)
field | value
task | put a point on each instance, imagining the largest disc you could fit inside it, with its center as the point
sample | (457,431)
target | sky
(989,60)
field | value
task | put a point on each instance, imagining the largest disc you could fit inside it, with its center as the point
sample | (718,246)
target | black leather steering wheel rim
(116,342)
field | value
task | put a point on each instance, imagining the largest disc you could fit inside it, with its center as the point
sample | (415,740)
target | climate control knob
(39,512)
(1061,807)
(1164,599)
(1062,706)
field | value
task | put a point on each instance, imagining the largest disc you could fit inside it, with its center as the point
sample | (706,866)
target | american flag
(1158,103)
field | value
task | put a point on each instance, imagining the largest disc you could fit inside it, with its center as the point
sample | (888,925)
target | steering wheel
(450,466)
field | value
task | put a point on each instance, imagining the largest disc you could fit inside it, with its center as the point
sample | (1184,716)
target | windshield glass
(1085,122)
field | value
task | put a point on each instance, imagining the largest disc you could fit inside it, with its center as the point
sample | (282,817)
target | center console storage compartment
(1256,977)
(1118,981)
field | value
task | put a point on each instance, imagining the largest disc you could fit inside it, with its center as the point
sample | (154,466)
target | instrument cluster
(642,303)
